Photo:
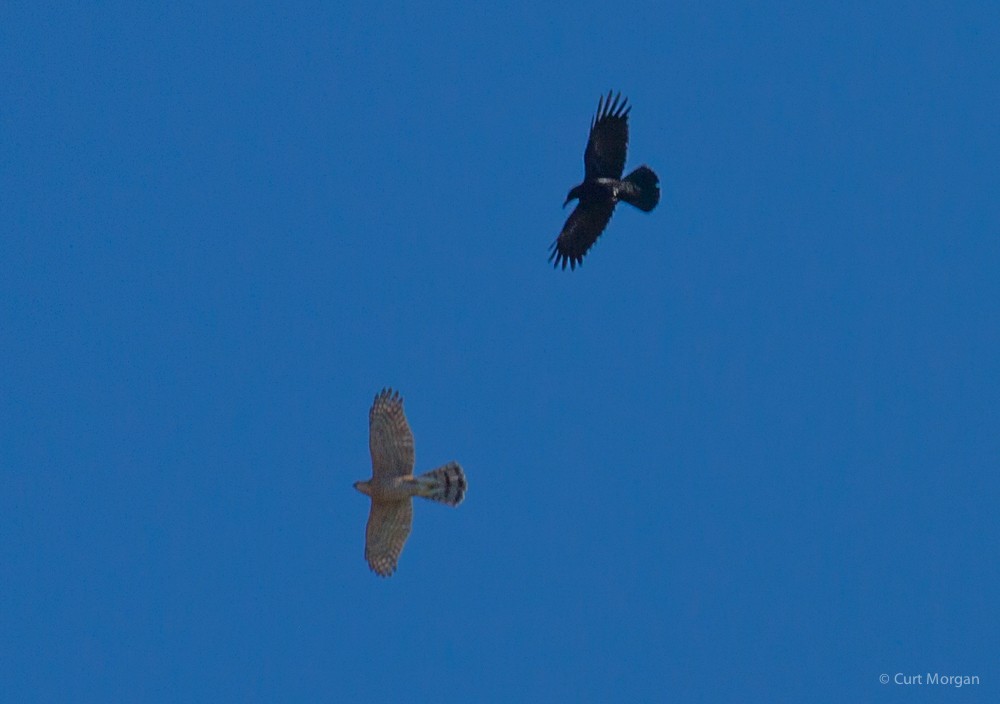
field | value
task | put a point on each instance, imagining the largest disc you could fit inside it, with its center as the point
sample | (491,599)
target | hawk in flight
(603,185)
(393,486)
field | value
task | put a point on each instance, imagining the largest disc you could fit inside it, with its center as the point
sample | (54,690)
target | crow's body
(603,185)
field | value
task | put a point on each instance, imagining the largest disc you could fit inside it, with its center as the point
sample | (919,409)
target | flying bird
(603,185)
(393,486)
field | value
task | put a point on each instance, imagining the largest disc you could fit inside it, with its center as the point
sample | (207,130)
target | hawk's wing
(608,143)
(388,528)
(389,437)
(584,225)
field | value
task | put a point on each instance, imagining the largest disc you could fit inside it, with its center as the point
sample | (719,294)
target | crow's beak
(567,202)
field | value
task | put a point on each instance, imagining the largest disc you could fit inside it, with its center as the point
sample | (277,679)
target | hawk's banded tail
(445,484)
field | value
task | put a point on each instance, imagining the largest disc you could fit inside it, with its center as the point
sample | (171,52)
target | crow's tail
(445,484)
(641,188)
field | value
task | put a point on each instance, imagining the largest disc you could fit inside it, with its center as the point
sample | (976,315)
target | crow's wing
(608,143)
(584,225)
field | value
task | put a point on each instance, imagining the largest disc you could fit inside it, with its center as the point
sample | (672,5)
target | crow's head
(574,193)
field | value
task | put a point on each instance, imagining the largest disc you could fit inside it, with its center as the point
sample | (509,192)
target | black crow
(603,185)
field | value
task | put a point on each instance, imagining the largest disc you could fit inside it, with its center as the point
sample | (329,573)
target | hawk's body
(393,485)
(603,185)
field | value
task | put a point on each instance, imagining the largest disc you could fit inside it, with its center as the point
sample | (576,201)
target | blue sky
(748,452)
